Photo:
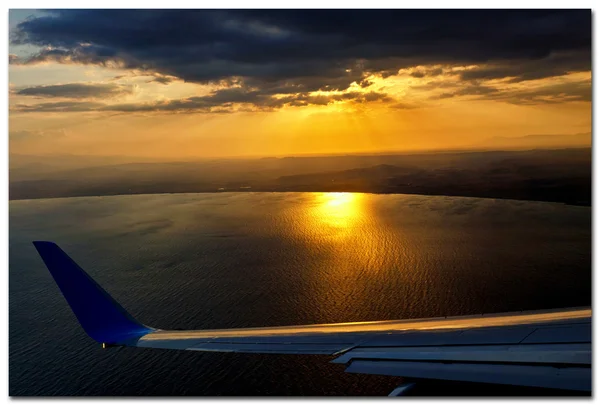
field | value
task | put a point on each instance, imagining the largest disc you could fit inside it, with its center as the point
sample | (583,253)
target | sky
(209,83)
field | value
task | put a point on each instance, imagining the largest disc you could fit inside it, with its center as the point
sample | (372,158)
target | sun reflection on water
(341,230)
(338,210)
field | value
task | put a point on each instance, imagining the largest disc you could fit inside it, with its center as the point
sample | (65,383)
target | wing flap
(567,355)
(572,378)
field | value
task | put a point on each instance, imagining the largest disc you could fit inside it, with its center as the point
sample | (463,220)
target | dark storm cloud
(76,90)
(83,54)
(309,49)
(218,101)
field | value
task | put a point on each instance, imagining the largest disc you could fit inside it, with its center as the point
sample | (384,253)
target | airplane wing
(550,349)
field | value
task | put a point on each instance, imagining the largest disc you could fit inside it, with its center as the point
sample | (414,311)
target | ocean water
(199,261)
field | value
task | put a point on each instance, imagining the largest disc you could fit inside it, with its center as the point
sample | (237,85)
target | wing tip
(43,246)
(103,318)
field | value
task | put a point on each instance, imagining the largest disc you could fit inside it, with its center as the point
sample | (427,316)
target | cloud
(62,106)
(550,93)
(551,66)
(225,100)
(310,49)
(469,90)
(421,72)
(403,106)
(77,90)
(162,79)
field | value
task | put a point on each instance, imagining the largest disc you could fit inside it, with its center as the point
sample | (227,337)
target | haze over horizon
(184,84)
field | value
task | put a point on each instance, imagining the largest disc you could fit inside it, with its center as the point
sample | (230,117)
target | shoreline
(571,203)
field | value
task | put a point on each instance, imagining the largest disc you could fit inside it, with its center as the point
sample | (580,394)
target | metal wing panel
(363,330)
(281,345)
(561,334)
(439,325)
(269,348)
(450,331)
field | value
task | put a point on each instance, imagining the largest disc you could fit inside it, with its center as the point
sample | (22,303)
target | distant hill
(560,175)
(540,141)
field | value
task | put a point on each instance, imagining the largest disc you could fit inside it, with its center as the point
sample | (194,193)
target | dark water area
(201,261)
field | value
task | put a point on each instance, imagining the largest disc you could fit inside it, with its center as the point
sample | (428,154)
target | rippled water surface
(261,259)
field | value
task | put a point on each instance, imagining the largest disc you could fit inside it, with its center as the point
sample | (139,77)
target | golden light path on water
(338,210)
(344,232)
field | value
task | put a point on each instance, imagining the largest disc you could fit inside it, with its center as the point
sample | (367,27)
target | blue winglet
(102,318)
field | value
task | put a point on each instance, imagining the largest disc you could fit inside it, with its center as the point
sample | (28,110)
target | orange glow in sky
(69,105)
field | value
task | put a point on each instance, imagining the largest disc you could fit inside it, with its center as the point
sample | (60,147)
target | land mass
(560,175)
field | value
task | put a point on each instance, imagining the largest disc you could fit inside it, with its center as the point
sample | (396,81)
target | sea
(233,260)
